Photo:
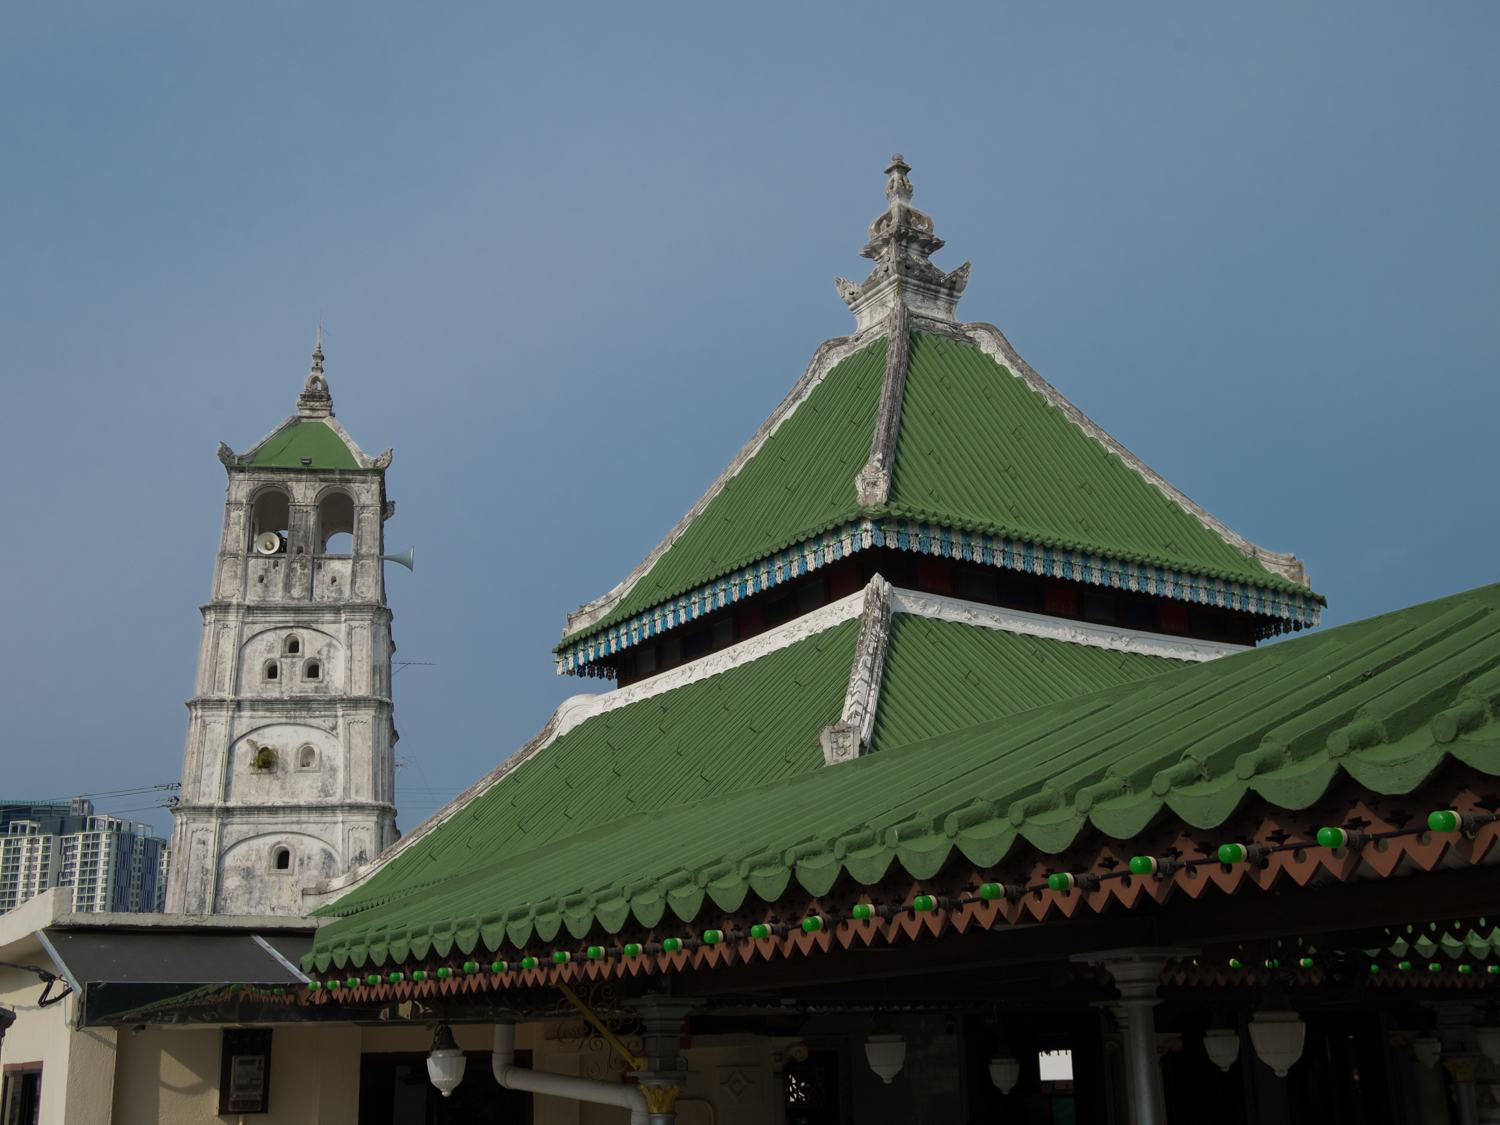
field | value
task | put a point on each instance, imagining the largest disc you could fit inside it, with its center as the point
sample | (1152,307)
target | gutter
(514,1077)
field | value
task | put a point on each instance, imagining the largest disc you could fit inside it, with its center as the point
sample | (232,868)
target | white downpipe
(514,1077)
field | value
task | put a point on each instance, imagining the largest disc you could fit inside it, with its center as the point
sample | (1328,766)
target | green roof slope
(979,449)
(755,723)
(1271,723)
(940,676)
(311,438)
(752,724)
(800,482)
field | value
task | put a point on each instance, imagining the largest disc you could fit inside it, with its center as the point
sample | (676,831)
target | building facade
(107,863)
(288,773)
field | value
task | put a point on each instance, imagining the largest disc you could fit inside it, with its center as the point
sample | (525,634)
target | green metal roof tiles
(982,451)
(942,675)
(1386,701)
(312,438)
(800,482)
(751,724)
(978,450)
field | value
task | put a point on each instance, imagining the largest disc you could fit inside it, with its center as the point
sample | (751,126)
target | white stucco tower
(288,778)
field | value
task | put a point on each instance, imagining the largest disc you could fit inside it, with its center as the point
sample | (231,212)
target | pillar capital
(662,1017)
(1135,969)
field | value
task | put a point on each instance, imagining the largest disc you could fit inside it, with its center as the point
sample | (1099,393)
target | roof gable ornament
(849,738)
(315,401)
(901,240)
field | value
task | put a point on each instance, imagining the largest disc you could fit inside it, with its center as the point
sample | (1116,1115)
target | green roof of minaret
(309,439)
(313,440)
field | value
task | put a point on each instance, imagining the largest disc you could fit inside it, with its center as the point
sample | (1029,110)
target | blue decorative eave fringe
(1288,611)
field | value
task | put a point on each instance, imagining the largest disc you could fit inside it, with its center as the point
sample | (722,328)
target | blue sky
(568,257)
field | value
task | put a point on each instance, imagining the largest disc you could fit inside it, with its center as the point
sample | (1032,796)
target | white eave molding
(1092,634)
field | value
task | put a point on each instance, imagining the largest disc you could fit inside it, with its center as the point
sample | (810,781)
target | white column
(1136,972)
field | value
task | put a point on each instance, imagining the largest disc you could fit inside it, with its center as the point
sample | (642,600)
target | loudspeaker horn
(404,558)
(269,543)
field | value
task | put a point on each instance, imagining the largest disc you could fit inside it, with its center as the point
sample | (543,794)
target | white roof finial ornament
(315,401)
(901,240)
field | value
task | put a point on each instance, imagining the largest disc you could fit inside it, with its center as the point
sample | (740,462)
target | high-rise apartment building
(111,864)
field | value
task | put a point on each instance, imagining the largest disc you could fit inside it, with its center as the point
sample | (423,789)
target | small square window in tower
(293,645)
(312,670)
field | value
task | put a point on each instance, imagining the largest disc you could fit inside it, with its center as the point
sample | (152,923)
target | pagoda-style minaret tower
(288,777)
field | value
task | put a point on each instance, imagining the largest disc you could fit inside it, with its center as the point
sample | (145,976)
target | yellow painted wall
(166,1076)
(77,1067)
(171,1076)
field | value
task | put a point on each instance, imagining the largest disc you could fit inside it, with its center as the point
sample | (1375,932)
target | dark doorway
(812,1090)
(395,1090)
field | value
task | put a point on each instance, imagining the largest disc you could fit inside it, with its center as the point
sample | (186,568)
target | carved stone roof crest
(901,242)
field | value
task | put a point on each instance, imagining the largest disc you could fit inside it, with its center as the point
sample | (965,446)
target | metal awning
(125,976)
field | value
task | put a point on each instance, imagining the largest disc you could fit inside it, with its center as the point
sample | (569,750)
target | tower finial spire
(901,239)
(315,401)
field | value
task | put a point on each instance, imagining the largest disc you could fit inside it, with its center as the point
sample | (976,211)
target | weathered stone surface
(295,658)
(901,240)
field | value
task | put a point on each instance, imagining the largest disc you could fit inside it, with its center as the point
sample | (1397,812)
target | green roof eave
(1198,744)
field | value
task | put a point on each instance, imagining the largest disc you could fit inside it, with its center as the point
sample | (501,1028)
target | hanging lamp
(1221,1043)
(445,1066)
(1278,1036)
(885,1050)
(1005,1068)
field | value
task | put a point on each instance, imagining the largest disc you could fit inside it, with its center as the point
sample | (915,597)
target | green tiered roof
(988,463)
(978,450)
(753,766)
(1386,701)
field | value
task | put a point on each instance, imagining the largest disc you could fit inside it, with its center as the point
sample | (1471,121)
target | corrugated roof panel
(1400,670)
(979,448)
(755,723)
(800,482)
(941,675)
